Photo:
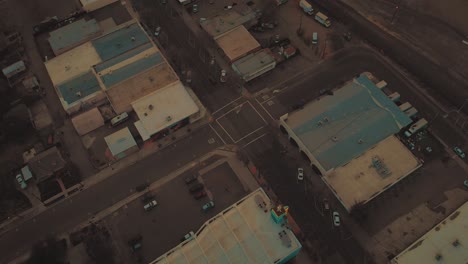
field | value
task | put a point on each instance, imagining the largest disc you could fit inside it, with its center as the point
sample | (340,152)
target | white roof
(164,107)
(448,240)
(72,63)
(243,233)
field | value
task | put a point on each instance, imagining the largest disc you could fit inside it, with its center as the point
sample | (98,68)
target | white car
(150,205)
(336,218)
(223,77)
(300,174)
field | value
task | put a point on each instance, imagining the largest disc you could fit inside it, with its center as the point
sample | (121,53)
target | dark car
(196,187)
(200,194)
(45,25)
(191,179)
(135,243)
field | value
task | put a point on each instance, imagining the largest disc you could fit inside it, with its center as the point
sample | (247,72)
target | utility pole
(300,31)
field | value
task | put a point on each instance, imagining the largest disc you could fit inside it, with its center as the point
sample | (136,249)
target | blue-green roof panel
(120,41)
(73,34)
(131,69)
(111,62)
(347,124)
(79,87)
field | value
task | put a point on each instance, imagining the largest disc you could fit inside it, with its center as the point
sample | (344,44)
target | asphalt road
(70,212)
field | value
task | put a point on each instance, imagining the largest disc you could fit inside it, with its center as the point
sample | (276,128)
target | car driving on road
(206,207)
(149,205)
(459,152)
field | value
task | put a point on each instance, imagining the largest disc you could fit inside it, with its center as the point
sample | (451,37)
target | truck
(322,19)
(306,7)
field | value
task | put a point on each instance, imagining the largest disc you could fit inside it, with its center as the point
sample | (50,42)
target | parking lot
(176,214)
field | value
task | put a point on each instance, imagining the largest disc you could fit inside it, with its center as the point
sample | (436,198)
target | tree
(50,251)
(98,245)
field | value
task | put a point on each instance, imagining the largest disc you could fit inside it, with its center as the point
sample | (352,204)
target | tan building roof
(237,43)
(88,121)
(376,170)
(91,5)
(72,63)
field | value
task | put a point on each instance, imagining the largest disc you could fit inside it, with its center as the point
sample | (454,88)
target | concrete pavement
(105,192)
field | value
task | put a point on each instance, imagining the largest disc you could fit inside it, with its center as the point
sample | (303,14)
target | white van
(314,38)
(119,119)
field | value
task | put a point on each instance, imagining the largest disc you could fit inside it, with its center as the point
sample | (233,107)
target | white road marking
(216,132)
(250,134)
(233,109)
(258,113)
(226,105)
(225,131)
(268,113)
(255,139)
(270,103)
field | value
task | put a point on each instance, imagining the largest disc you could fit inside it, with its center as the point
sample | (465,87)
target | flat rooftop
(91,5)
(73,34)
(377,169)
(78,88)
(252,63)
(163,108)
(243,233)
(448,240)
(226,21)
(336,129)
(72,63)
(237,43)
(125,38)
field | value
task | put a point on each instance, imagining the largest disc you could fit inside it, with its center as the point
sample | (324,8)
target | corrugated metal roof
(237,43)
(131,69)
(243,233)
(79,87)
(338,128)
(120,141)
(448,240)
(14,69)
(88,121)
(120,41)
(73,34)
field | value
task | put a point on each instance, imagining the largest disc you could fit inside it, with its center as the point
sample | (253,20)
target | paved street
(82,206)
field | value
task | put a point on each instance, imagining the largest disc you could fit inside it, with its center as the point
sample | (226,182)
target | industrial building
(254,65)
(447,242)
(250,231)
(237,43)
(121,143)
(72,35)
(228,20)
(348,137)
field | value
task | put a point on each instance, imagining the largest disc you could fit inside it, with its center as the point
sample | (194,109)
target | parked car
(300,174)
(336,218)
(206,207)
(223,77)
(135,243)
(347,36)
(465,183)
(191,179)
(21,181)
(326,204)
(459,152)
(200,194)
(188,236)
(150,205)
(195,8)
(196,187)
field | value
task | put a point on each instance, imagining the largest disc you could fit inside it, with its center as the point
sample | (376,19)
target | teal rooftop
(73,34)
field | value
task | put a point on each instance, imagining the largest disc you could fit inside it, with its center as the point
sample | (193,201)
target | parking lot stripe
(216,132)
(255,139)
(226,105)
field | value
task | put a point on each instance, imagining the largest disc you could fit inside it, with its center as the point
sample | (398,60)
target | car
(188,236)
(191,179)
(206,207)
(150,205)
(196,187)
(326,204)
(135,243)
(21,182)
(200,194)
(195,8)
(465,183)
(347,36)
(459,152)
(336,218)
(45,25)
(223,77)
(300,174)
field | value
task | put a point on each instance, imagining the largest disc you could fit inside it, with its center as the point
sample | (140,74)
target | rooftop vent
(319,123)
(133,38)
(168,118)
(150,107)
(438,257)
(360,141)
(78,93)
(456,243)
(325,119)
(334,139)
